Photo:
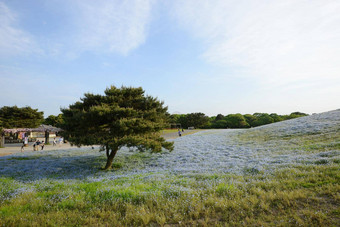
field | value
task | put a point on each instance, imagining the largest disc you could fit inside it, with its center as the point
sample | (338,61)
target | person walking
(179,133)
(42,145)
(54,142)
(23,145)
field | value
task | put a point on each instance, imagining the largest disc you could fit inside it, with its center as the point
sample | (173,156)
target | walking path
(17,149)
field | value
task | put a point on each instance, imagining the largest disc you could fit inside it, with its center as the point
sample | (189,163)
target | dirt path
(17,149)
(174,135)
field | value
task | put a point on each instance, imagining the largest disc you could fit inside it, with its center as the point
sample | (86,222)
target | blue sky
(216,56)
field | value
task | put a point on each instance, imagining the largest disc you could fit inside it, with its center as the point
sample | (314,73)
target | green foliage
(276,117)
(219,117)
(236,121)
(199,120)
(15,117)
(55,121)
(219,124)
(296,114)
(262,119)
(250,119)
(122,117)
(196,120)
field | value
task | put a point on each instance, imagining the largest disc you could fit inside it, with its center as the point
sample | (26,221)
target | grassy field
(62,188)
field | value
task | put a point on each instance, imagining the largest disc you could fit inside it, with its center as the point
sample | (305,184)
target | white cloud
(112,26)
(13,40)
(97,26)
(276,41)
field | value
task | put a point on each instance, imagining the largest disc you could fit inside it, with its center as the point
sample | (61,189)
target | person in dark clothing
(42,145)
(23,145)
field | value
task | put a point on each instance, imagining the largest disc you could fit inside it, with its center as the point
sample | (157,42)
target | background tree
(15,117)
(250,119)
(2,138)
(25,117)
(219,117)
(262,119)
(219,124)
(197,120)
(276,117)
(53,120)
(182,119)
(296,114)
(236,121)
(122,117)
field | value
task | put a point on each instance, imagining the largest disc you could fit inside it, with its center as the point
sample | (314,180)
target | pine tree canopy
(122,117)
(16,117)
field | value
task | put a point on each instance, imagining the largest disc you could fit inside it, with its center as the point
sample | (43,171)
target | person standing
(42,145)
(37,144)
(54,142)
(23,145)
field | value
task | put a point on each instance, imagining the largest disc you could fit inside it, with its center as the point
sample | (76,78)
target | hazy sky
(212,56)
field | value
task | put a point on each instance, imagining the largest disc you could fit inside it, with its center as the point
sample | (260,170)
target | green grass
(299,195)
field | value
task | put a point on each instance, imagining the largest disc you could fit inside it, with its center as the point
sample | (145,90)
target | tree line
(26,117)
(200,120)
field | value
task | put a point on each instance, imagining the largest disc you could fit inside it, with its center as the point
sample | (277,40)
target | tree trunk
(47,137)
(2,140)
(110,158)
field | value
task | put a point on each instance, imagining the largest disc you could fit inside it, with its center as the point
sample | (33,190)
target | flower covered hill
(244,176)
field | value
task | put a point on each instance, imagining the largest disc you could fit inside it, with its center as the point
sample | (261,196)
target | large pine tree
(122,117)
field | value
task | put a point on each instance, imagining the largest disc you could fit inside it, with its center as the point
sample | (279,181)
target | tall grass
(298,195)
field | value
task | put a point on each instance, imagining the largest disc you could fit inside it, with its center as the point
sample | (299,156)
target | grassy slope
(304,194)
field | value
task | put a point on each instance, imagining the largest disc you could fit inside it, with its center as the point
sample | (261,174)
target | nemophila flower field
(285,173)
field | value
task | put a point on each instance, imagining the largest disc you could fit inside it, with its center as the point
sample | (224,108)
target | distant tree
(2,137)
(182,119)
(197,120)
(53,120)
(250,119)
(219,124)
(25,117)
(296,114)
(276,117)
(176,118)
(219,117)
(15,117)
(122,117)
(262,119)
(236,121)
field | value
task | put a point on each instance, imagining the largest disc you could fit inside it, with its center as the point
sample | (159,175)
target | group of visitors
(41,144)
(37,144)
(61,140)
